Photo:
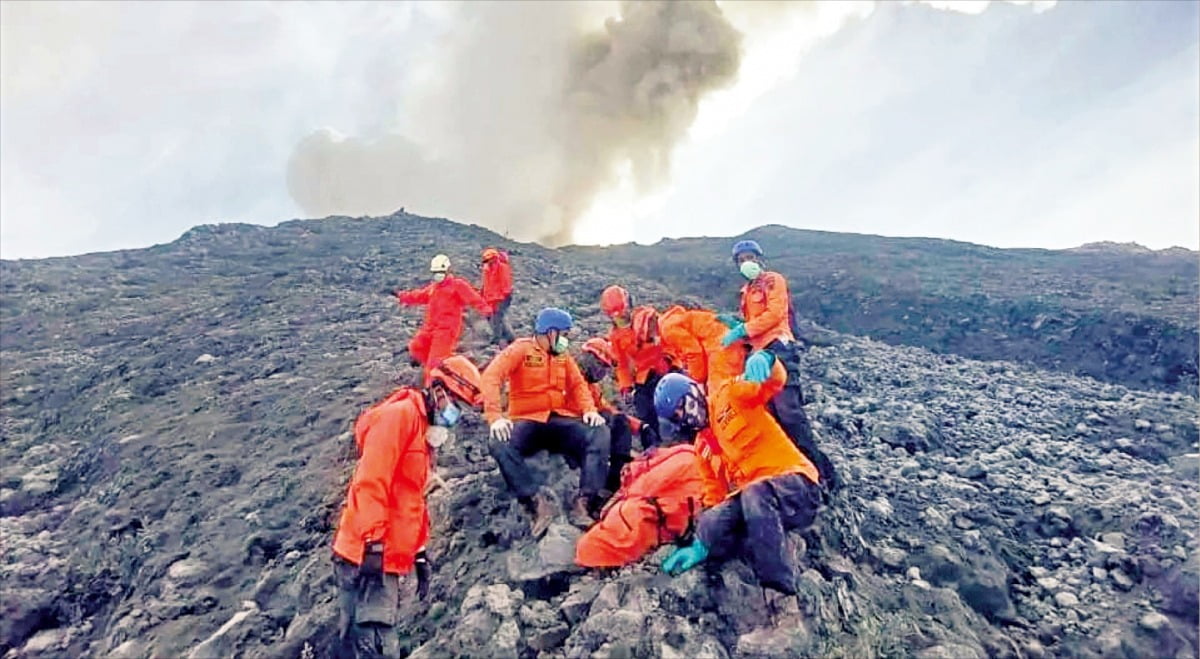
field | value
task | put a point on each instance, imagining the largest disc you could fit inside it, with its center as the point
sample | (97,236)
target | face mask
(448,415)
(438,276)
(620,321)
(437,435)
(750,269)
(560,345)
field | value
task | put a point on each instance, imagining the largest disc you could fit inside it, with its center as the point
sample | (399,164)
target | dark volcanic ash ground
(175,449)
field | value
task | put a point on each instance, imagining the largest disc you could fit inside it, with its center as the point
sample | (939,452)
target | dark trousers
(643,407)
(584,448)
(788,409)
(756,521)
(621,441)
(367,611)
(501,331)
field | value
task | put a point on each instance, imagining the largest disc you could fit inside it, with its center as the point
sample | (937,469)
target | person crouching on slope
(444,299)
(496,290)
(596,362)
(549,408)
(772,488)
(385,524)
(767,310)
(640,361)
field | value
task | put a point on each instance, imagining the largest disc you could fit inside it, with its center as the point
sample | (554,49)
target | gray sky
(122,125)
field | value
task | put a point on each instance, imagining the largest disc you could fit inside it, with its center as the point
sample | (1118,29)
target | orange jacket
(634,361)
(538,383)
(386,501)
(765,305)
(444,302)
(497,279)
(747,439)
(718,485)
(659,496)
(692,339)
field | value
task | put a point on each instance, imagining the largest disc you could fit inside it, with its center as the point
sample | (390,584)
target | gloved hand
(758,366)
(424,571)
(372,562)
(501,429)
(685,558)
(593,419)
(730,320)
(736,332)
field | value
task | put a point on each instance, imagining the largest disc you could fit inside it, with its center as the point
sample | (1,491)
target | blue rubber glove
(685,558)
(737,332)
(729,320)
(758,366)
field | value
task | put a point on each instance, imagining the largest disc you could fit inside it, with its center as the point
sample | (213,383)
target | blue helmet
(743,246)
(678,399)
(551,318)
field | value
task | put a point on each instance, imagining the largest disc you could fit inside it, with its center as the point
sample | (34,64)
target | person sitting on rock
(634,340)
(549,408)
(444,299)
(595,362)
(767,328)
(765,488)
(497,292)
(385,523)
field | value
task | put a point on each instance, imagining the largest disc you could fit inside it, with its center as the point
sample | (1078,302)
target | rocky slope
(175,450)
(1118,313)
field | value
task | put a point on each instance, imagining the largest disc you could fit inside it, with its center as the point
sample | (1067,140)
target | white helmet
(440,263)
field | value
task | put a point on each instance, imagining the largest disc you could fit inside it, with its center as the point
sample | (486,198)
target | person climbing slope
(640,362)
(384,525)
(767,309)
(497,292)
(444,299)
(766,487)
(551,409)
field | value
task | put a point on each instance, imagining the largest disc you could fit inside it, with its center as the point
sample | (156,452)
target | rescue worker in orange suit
(595,362)
(385,524)
(497,292)
(766,487)
(767,310)
(551,409)
(691,340)
(640,362)
(659,498)
(444,299)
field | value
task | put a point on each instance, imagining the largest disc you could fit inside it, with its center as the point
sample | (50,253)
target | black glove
(372,562)
(424,572)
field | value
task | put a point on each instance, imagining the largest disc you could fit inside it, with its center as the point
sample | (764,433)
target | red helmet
(645,322)
(460,377)
(489,254)
(601,349)
(615,301)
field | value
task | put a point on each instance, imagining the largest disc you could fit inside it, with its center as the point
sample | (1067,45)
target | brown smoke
(529,114)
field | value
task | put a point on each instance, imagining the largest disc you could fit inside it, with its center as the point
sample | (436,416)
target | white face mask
(438,276)
(436,436)
(750,269)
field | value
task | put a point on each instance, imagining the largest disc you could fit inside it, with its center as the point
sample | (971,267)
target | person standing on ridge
(497,292)
(640,362)
(551,409)
(765,486)
(767,327)
(444,299)
(384,525)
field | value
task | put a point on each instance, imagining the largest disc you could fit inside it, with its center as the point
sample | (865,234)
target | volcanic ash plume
(529,114)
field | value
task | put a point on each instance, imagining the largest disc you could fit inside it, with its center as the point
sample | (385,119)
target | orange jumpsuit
(766,307)
(538,383)
(634,361)
(691,338)
(659,496)
(497,280)
(444,303)
(386,501)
